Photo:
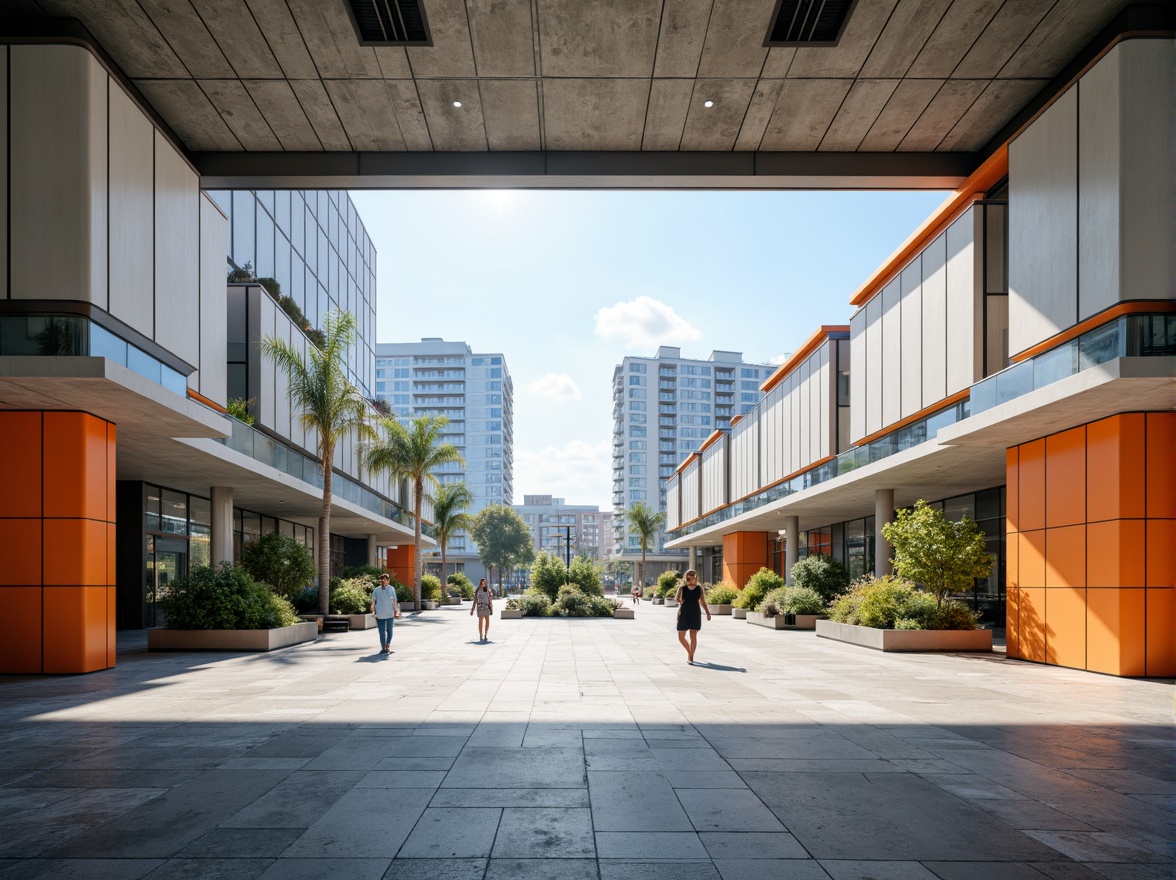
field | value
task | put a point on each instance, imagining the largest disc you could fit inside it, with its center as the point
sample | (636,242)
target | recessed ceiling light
(457,103)
(708,103)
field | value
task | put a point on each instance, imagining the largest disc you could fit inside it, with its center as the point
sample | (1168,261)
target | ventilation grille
(809,22)
(390,22)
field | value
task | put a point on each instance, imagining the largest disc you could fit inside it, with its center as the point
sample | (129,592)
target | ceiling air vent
(390,22)
(809,22)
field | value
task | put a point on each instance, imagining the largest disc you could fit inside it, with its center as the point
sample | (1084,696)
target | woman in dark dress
(691,605)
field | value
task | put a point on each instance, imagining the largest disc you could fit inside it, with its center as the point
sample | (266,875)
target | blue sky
(565,284)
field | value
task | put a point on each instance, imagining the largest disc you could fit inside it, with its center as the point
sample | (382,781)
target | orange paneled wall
(57,541)
(401,563)
(1091,532)
(744,553)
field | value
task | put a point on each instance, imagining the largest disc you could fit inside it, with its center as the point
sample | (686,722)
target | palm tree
(644,523)
(328,404)
(449,504)
(412,454)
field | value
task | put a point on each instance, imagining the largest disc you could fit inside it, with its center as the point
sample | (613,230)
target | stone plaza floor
(584,749)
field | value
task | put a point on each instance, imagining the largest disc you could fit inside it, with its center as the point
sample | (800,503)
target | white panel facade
(910,353)
(1043,226)
(58,140)
(673,517)
(688,487)
(714,475)
(211,379)
(857,376)
(177,253)
(132,207)
(803,429)
(825,405)
(961,304)
(792,425)
(933,298)
(744,454)
(891,297)
(871,399)
(772,445)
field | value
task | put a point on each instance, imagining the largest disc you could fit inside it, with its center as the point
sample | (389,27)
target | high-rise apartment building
(663,408)
(474,392)
(567,530)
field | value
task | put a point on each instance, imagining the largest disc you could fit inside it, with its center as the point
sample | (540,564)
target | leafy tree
(548,574)
(280,561)
(503,539)
(449,504)
(329,405)
(585,574)
(645,524)
(412,454)
(824,574)
(944,557)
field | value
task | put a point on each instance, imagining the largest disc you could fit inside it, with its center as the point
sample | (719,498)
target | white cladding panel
(934,323)
(891,353)
(825,405)
(961,304)
(177,253)
(132,207)
(211,379)
(1043,226)
(872,386)
(857,375)
(744,455)
(772,445)
(792,432)
(688,487)
(910,354)
(714,475)
(673,517)
(58,141)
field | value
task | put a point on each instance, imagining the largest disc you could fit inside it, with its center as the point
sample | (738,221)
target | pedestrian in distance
(691,605)
(484,605)
(386,608)
(636,594)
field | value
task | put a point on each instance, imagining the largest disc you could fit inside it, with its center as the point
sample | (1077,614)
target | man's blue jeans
(384,624)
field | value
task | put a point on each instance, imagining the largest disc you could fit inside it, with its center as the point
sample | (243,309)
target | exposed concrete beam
(591,170)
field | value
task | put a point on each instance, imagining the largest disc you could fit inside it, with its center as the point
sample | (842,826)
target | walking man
(386,609)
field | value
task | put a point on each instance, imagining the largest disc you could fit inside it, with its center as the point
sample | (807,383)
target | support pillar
(221,542)
(57,539)
(883,514)
(372,558)
(692,559)
(791,545)
(402,563)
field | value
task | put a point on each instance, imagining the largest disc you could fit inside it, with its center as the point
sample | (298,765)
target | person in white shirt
(386,609)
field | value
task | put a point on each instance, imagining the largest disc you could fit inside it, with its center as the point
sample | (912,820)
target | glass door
(167,559)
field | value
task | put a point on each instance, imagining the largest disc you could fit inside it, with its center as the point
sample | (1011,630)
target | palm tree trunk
(642,582)
(325,536)
(418,563)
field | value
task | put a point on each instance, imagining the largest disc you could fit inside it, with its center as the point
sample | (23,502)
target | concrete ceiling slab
(716,127)
(283,113)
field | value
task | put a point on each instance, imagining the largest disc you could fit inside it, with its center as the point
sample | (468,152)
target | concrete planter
(739,613)
(428,605)
(362,621)
(906,640)
(671,603)
(806,621)
(451,600)
(316,619)
(408,606)
(230,639)
(754,617)
(720,609)
(511,614)
(623,614)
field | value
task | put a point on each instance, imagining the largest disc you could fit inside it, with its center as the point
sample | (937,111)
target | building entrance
(167,559)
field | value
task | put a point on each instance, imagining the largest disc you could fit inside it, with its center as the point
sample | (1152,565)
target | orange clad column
(1091,570)
(57,524)
(744,553)
(401,563)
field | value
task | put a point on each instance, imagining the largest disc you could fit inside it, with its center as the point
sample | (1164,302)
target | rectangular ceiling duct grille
(390,22)
(809,22)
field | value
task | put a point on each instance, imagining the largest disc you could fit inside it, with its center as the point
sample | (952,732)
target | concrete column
(222,525)
(883,514)
(371,551)
(791,545)
(692,559)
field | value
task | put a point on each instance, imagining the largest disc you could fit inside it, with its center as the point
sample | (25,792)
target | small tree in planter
(280,561)
(758,586)
(822,574)
(944,557)
(667,584)
(548,574)
(585,574)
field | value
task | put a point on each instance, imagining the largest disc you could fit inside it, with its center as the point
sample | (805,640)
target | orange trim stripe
(211,404)
(686,461)
(1103,317)
(710,441)
(983,178)
(798,357)
(921,414)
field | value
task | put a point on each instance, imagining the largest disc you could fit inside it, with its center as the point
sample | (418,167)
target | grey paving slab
(211,869)
(545,834)
(542,869)
(734,845)
(635,801)
(416,763)
(479,767)
(365,823)
(770,869)
(1097,846)
(78,869)
(316,869)
(649,845)
(402,779)
(657,870)
(727,810)
(852,869)
(436,869)
(297,801)
(988,870)
(240,843)
(452,833)
(511,797)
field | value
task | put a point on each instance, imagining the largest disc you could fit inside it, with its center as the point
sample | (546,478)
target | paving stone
(851,869)
(727,810)
(365,823)
(1095,846)
(211,869)
(544,834)
(78,869)
(240,843)
(649,845)
(452,833)
(436,869)
(402,779)
(638,801)
(317,869)
(983,871)
(742,845)
(297,802)
(657,870)
(542,869)
(479,767)
(511,797)
(770,869)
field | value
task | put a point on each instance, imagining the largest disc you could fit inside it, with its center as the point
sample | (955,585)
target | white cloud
(556,386)
(779,359)
(579,472)
(644,323)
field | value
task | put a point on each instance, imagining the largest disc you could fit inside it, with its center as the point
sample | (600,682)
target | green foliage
(460,585)
(350,596)
(602,607)
(403,591)
(224,598)
(370,572)
(585,574)
(245,273)
(240,409)
(280,561)
(644,523)
(887,602)
(535,604)
(794,600)
(944,557)
(503,539)
(548,574)
(823,574)
(513,604)
(667,583)
(572,602)
(431,588)
(305,601)
(722,594)
(758,586)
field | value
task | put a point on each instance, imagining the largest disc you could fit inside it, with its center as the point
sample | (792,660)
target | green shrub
(795,600)
(513,605)
(601,607)
(585,574)
(723,594)
(953,614)
(535,604)
(240,409)
(223,598)
(280,561)
(758,586)
(823,574)
(892,602)
(571,602)
(667,583)
(460,585)
(351,596)
(548,574)
(430,588)
(371,572)
(306,600)
(404,592)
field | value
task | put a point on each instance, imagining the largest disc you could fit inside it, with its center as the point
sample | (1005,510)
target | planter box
(720,609)
(658,601)
(451,600)
(230,639)
(623,614)
(362,621)
(758,619)
(739,613)
(408,606)
(806,621)
(906,639)
(428,605)
(670,603)
(511,614)
(316,619)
